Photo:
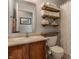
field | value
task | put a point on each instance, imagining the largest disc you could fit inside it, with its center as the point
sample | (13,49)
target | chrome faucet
(27,34)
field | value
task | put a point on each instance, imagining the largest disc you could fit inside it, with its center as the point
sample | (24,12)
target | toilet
(56,51)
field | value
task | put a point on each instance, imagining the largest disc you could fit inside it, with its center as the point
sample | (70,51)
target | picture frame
(25,21)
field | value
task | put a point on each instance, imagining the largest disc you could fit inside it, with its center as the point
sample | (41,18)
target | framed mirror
(22,16)
(25,21)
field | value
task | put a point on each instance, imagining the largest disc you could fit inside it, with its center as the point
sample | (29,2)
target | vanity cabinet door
(15,52)
(12,53)
(19,52)
(37,50)
(26,51)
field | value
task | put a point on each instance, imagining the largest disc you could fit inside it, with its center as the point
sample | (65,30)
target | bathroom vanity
(27,49)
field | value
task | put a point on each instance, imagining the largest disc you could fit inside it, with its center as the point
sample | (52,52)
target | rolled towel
(44,22)
(54,23)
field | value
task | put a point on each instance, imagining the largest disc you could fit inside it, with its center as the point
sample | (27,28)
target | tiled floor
(64,57)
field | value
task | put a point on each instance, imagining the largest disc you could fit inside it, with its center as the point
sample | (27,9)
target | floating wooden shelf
(50,25)
(50,9)
(48,34)
(51,17)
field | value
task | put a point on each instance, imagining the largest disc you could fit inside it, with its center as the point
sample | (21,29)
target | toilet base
(56,57)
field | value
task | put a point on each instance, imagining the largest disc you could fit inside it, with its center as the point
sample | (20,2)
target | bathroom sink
(30,38)
(17,39)
(36,37)
(25,40)
(20,39)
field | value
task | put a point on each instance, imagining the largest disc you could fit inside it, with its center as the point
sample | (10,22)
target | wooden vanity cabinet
(34,50)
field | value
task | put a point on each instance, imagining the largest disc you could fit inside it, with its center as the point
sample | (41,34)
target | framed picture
(25,21)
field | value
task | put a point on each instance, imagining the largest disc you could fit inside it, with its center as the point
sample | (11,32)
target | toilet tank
(51,41)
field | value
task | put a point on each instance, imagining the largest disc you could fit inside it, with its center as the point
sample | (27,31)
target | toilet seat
(57,49)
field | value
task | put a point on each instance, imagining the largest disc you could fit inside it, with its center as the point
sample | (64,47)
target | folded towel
(49,5)
(49,13)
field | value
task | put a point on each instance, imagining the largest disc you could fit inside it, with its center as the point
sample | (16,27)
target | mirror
(22,16)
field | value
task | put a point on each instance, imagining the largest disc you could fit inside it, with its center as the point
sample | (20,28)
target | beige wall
(66,26)
(10,17)
(38,26)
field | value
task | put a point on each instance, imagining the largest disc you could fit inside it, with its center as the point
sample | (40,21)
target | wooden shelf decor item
(51,17)
(48,34)
(49,25)
(50,7)
(49,14)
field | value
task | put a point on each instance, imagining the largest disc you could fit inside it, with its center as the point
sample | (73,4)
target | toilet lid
(57,49)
